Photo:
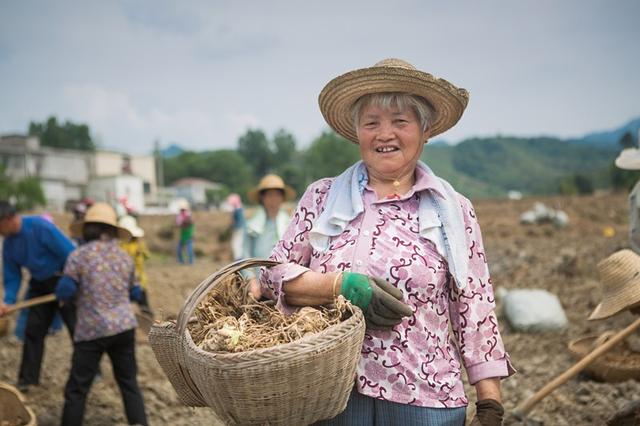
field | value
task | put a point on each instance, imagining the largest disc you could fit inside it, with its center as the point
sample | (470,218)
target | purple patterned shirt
(104,272)
(417,362)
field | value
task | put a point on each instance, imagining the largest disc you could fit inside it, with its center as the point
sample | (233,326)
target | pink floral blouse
(419,361)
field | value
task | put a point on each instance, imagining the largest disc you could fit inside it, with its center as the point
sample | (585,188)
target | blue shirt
(238,218)
(40,247)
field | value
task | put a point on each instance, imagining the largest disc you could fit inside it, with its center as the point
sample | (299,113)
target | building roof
(194,181)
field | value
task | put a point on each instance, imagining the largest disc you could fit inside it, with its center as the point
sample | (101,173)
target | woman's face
(272,199)
(391,141)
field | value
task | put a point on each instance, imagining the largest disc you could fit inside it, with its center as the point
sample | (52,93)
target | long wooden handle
(31,302)
(524,408)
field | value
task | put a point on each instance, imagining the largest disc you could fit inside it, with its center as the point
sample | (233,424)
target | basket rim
(576,350)
(20,397)
(202,289)
(284,351)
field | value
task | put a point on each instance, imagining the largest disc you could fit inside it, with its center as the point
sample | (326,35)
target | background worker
(137,249)
(39,246)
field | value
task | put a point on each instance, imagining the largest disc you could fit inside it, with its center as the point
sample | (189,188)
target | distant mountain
(438,142)
(172,150)
(610,139)
(490,167)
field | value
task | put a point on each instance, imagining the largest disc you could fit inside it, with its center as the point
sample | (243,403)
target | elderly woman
(404,246)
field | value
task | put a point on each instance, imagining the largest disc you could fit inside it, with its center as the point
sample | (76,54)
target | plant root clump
(231,320)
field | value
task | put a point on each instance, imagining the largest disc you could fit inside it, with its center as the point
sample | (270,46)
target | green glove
(380,302)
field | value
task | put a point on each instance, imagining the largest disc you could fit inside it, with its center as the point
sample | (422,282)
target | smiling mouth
(386,149)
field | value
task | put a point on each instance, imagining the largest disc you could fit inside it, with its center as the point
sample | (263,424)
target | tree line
(256,154)
(476,167)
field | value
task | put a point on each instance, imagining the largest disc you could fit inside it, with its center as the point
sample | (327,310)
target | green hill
(489,167)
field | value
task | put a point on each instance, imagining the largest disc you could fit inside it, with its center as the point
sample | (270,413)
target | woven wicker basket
(13,409)
(618,365)
(295,383)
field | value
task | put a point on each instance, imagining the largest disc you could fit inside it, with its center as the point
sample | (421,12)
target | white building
(118,190)
(65,174)
(194,190)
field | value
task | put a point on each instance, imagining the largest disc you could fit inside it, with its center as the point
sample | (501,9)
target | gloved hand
(489,412)
(135,293)
(66,289)
(380,302)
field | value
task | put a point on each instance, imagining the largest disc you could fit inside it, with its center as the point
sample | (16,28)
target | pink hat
(234,201)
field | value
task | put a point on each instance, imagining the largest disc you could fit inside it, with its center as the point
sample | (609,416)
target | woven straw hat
(620,279)
(390,75)
(130,224)
(183,204)
(271,182)
(101,213)
(629,159)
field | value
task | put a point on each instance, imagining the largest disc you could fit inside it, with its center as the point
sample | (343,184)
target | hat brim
(628,162)
(608,308)
(76,229)
(339,95)
(136,232)
(254,194)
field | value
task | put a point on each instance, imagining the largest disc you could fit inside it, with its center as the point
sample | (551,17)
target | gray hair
(388,100)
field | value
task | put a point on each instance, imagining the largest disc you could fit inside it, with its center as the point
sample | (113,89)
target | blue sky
(200,72)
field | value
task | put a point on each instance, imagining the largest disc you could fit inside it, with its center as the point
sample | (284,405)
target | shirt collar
(25,225)
(424,182)
(428,181)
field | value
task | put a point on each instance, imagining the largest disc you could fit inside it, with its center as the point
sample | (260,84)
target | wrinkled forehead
(396,102)
(375,110)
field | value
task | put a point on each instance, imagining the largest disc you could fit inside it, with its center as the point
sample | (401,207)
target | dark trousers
(84,366)
(38,321)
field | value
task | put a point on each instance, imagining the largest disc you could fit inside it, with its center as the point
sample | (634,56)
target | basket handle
(203,288)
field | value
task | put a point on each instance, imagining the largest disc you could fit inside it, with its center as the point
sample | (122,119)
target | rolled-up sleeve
(473,318)
(294,250)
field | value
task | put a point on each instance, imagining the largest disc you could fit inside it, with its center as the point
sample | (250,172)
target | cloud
(240,122)
(200,72)
(164,15)
(128,126)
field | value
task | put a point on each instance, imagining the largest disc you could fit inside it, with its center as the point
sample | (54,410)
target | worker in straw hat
(137,249)
(268,223)
(620,280)
(39,246)
(99,277)
(629,159)
(400,243)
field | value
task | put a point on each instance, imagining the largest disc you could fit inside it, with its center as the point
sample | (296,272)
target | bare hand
(4,308)
(254,289)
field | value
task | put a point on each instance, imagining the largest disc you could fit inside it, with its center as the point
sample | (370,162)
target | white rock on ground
(533,310)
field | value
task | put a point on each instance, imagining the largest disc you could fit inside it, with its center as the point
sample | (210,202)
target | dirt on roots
(562,261)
